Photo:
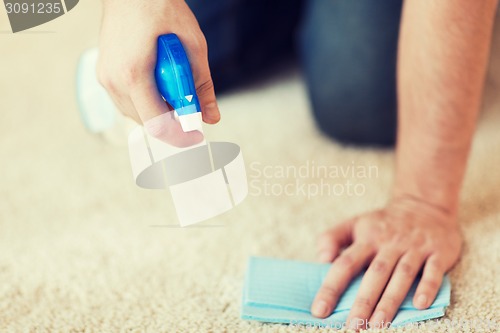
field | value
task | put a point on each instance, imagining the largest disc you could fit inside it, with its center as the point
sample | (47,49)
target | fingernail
(356,324)
(325,256)
(422,301)
(378,320)
(320,309)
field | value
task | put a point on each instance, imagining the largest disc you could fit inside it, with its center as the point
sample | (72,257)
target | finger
(126,107)
(342,271)
(146,98)
(158,121)
(429,284)
(168,129)
(122,102)
(372,285)
(198,56)
(331,242)
(400,283)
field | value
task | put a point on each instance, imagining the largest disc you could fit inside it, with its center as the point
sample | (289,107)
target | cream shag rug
(79,249)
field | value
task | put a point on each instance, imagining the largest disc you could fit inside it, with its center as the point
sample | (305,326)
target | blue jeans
(347,50)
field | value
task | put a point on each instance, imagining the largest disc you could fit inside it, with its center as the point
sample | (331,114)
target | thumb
(331,242)
(206,95)
(198,56)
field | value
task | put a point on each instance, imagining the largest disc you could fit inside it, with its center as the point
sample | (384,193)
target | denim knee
(350,122)
(348,52)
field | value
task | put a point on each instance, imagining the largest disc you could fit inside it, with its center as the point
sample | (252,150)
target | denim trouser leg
(347,48)
(348,52)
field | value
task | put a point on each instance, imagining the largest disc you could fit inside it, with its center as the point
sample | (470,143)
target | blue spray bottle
(175,82)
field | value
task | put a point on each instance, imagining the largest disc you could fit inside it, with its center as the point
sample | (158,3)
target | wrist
(429,189)
(408,202)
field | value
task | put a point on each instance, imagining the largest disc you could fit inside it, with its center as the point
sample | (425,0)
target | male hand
(395,243)
(127,59)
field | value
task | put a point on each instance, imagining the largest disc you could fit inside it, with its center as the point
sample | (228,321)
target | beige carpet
(79,250)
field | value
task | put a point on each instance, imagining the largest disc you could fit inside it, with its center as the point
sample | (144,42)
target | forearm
(443,53)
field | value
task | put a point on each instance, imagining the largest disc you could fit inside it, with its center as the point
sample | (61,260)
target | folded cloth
(282,291)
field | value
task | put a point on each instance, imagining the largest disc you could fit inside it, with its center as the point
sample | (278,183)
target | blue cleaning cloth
(282,291)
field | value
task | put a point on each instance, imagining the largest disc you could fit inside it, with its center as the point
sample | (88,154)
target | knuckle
(390,302)
(367,246)
(199,43)
(205,87)
(346,261)
(430,283)
(419,240)
(400,238)
(131,75)
(379,266)
(363,302)
(330,292)
(434,264)
(407,269)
